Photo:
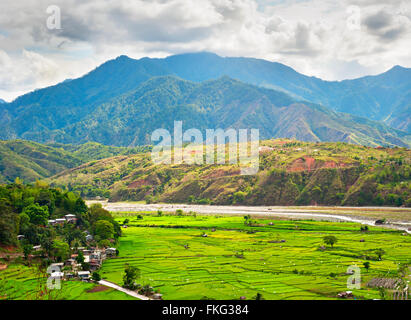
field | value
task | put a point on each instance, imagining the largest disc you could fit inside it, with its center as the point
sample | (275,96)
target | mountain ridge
(221,103)
(49,112)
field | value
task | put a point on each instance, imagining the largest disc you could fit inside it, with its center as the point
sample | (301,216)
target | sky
(44,42)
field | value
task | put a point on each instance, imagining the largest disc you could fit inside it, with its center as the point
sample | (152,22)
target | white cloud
(311,36)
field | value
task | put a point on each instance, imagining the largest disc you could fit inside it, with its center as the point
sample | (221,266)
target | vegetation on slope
(129,120)
(31,161)
(374,97)
(290,173)
(26,209)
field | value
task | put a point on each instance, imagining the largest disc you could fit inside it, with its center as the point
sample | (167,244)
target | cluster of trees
(26,209)
(89,191)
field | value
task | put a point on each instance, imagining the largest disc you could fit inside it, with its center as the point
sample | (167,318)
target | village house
(84,275)
(20,237)
(157,296)
(57,275)
(60,221)
(70,218)
(69,275)
(111,251)
(345,294)
(70,262)
(56,266)
(86,252)
(52,222)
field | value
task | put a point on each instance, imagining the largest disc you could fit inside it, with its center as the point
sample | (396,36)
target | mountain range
(122,101)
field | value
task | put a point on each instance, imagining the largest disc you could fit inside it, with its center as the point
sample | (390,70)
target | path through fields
(126,291)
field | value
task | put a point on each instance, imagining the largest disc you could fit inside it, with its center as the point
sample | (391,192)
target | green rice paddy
(19,282)
(236,260)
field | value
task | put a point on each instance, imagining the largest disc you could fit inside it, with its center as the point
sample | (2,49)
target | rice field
(279,259)
(19,282)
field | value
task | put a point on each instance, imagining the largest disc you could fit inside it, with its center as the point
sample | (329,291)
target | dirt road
(126,291)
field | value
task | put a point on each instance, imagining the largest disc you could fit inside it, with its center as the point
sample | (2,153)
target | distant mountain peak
(398,68)
(198,54)
(123,57)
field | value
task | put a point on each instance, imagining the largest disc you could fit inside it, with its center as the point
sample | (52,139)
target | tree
(258,296)
(80,206)
(85,266)
(8,224)
(104,229)
(239,196)
(125,222)
(383,293)
(330,240)
(104,243)
(24,222)
(364,228)
(27,249)
(403,269)
(131,273)
(80,257)
(366,265)
(96,276)
(60,250)
(38,215)
(247,220)
(379,252)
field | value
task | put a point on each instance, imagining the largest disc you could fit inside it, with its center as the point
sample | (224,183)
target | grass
(19,282)
(232,262)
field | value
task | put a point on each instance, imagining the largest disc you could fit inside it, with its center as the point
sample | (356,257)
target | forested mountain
(58,113)
(129,119)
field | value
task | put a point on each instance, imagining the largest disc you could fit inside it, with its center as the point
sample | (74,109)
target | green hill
(291,173)
(32,161)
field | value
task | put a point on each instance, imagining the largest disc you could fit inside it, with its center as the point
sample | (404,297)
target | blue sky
(330,39)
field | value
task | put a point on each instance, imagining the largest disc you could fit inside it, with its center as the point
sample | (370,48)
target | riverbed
(396,218)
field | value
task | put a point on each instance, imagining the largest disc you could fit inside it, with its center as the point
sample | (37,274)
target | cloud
(312,35)
(387,26)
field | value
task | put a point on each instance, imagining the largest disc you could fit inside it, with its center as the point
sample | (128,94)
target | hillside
(130,119)
(291,173)
(32,161)
(50,114)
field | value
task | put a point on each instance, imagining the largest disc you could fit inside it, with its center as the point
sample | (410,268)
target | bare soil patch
(97,289)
